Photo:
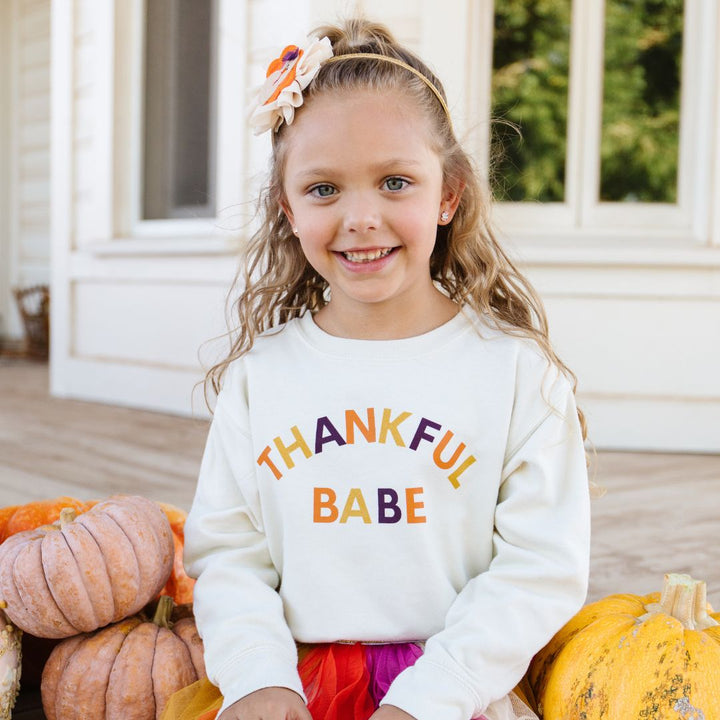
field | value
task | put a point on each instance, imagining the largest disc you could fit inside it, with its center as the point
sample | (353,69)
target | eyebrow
(391,164)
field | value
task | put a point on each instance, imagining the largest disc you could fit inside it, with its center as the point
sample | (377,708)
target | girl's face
(364,189)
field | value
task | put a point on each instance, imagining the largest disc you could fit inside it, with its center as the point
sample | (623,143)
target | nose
(361,214)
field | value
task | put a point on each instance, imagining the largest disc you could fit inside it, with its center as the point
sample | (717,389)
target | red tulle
(337,682)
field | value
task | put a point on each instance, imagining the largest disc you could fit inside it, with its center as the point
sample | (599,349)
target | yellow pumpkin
(628,656)
(10,665)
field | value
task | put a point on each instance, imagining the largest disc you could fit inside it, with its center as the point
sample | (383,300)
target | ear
(288,212)
(450,201)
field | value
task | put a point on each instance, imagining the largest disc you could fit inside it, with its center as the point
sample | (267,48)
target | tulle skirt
(343,681)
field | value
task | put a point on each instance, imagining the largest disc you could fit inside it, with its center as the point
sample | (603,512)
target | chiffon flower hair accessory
(286,78)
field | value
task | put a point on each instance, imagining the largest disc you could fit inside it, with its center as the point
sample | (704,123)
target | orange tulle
(337,682)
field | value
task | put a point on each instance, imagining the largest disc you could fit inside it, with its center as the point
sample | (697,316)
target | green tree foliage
(530,91)
(641,108)
(640,121)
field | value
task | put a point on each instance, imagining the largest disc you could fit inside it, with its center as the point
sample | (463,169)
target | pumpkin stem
(163,611)
(67,515)
(685,599)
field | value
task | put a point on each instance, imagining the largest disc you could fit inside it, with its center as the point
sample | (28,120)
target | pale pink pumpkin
(85,572)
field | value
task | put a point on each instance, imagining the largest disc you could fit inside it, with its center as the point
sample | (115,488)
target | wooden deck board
(661,512)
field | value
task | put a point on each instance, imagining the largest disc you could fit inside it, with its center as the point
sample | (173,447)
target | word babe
(389,510)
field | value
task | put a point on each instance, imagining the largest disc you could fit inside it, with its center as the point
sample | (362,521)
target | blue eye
(395,183)
(322,191)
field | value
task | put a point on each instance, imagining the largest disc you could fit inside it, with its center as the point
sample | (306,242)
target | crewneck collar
(381,350)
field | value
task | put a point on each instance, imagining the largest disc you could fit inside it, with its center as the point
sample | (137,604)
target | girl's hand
(273,703)
(390,712)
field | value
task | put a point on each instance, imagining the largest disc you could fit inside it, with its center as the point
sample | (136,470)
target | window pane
(641,105)
(531,59)
(179,109)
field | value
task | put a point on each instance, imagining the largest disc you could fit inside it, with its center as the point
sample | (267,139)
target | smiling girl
(392,512)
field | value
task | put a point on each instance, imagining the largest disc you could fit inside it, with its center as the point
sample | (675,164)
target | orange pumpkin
(5,514)
(18,518)
(126,670)
(629,656)
(180,585)
(85,572)
(176,517)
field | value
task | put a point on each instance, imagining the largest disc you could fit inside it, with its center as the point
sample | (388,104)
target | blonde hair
(467,262)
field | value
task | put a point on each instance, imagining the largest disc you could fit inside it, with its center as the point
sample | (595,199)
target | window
(639,147)
(614,102)
(179,110)
(531,61)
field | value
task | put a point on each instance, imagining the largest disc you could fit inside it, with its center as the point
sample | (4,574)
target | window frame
(195,235)
(164,121)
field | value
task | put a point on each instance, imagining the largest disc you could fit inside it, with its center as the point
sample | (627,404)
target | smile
(366,256)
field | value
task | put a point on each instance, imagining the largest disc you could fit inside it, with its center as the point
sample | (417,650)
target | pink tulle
(385,663)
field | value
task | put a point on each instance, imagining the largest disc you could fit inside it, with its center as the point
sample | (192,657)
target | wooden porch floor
(661,512)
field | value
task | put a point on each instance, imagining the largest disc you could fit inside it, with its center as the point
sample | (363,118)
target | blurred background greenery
(641,100)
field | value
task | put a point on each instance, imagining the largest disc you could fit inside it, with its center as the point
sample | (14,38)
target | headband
(294,69)
(399,63)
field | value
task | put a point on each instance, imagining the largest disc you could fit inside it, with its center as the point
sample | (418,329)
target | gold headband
(399,63)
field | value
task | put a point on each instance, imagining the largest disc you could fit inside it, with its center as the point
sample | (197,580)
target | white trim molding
(61,183)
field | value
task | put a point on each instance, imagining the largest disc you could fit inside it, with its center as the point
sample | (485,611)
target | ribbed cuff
(428,691)
(257,669)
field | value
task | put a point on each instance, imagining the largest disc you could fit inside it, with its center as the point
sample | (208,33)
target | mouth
(366,256)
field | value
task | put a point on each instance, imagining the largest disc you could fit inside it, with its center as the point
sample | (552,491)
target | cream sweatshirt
(432,488)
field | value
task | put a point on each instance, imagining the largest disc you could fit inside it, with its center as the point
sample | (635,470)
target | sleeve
(536,581)
(239,613)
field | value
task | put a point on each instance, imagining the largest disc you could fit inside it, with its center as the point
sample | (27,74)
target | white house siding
(129,316)
(644,342)
(25,181)
(639,323)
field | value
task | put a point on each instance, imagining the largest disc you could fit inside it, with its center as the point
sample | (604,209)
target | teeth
(367,255)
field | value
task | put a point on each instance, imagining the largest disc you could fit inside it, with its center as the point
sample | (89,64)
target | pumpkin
(85,572)
(10,666)
(628,656)
(176,517)
(5,514)
(180,585)
(126,670)
(18,518)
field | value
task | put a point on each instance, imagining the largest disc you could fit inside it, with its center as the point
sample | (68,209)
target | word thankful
(421,430)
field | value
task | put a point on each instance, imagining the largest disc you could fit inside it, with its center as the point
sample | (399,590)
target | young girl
(394,492)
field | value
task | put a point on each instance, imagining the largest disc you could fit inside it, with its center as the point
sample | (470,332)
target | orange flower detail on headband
(286,78)
(281,71)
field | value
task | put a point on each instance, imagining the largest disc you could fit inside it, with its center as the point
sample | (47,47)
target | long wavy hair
(275,281)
